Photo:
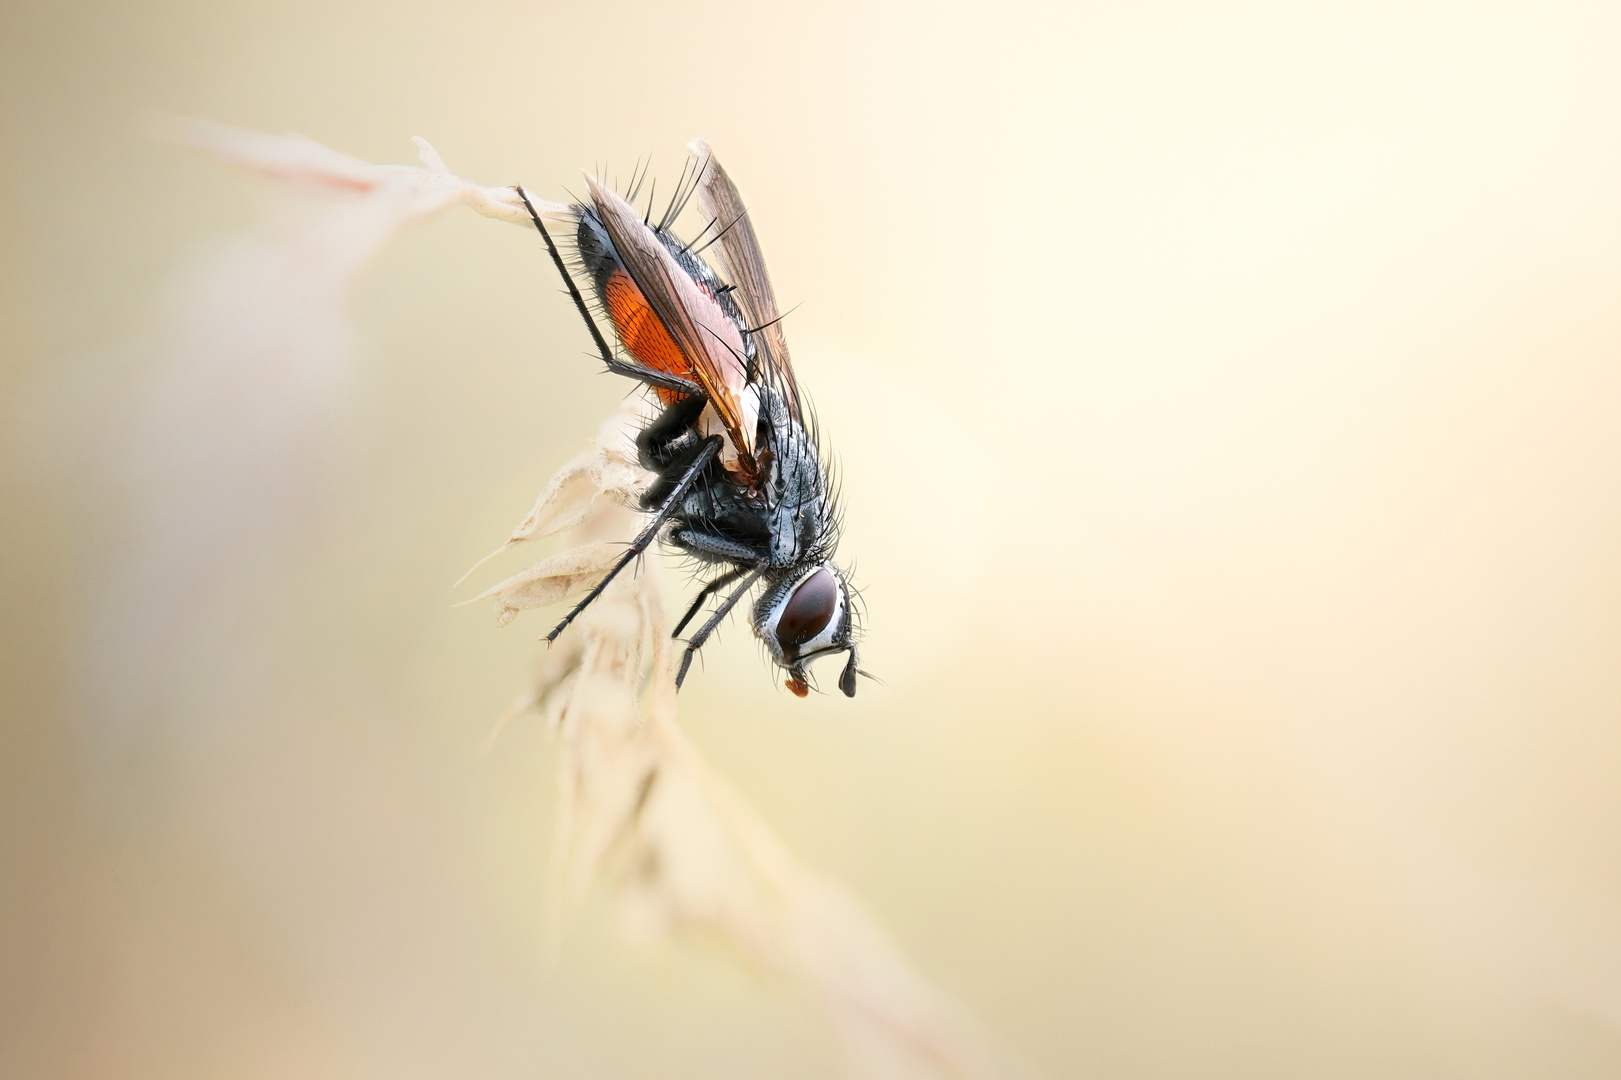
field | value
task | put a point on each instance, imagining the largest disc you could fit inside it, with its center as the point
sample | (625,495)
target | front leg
(708,628)
(706,454)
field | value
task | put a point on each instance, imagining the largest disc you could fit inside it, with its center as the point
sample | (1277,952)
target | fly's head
(806,614)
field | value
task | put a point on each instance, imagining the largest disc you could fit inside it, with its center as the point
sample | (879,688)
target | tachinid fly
(741,485)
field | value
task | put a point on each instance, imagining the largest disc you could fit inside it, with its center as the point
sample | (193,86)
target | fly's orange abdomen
(641,331)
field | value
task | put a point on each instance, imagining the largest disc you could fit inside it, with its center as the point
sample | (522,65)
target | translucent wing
(709,341)
(744,267)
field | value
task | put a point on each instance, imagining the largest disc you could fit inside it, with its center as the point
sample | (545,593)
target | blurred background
(1227,402)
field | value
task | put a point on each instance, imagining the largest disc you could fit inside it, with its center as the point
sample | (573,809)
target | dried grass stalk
(306,163)
(640,810)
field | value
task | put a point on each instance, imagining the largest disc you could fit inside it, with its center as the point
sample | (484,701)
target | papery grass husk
(641,814)
(641,810)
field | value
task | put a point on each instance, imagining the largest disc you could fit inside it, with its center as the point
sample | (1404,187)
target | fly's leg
(666,446)
(653,377)
(698,639)
(573,289)
(710,448)
(656,443)
(713,548)
(617,366)
(708,591)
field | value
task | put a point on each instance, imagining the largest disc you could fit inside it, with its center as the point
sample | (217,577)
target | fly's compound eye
(804,618)
(809,610)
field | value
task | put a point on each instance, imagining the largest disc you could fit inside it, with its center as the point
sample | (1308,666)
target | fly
(740,484)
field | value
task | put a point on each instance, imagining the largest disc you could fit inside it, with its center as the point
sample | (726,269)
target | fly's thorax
(796,487)
(805,613)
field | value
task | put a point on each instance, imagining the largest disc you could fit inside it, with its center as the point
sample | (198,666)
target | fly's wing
(744,267)
(709,341)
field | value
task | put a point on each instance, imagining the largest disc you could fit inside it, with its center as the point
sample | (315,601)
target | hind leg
(667,446)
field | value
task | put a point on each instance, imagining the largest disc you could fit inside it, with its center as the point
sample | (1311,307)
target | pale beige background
(1228,399)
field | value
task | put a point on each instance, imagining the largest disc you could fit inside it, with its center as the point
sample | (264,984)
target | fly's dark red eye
(807,611)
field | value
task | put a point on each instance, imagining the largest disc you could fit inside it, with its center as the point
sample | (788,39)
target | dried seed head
(639,806)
